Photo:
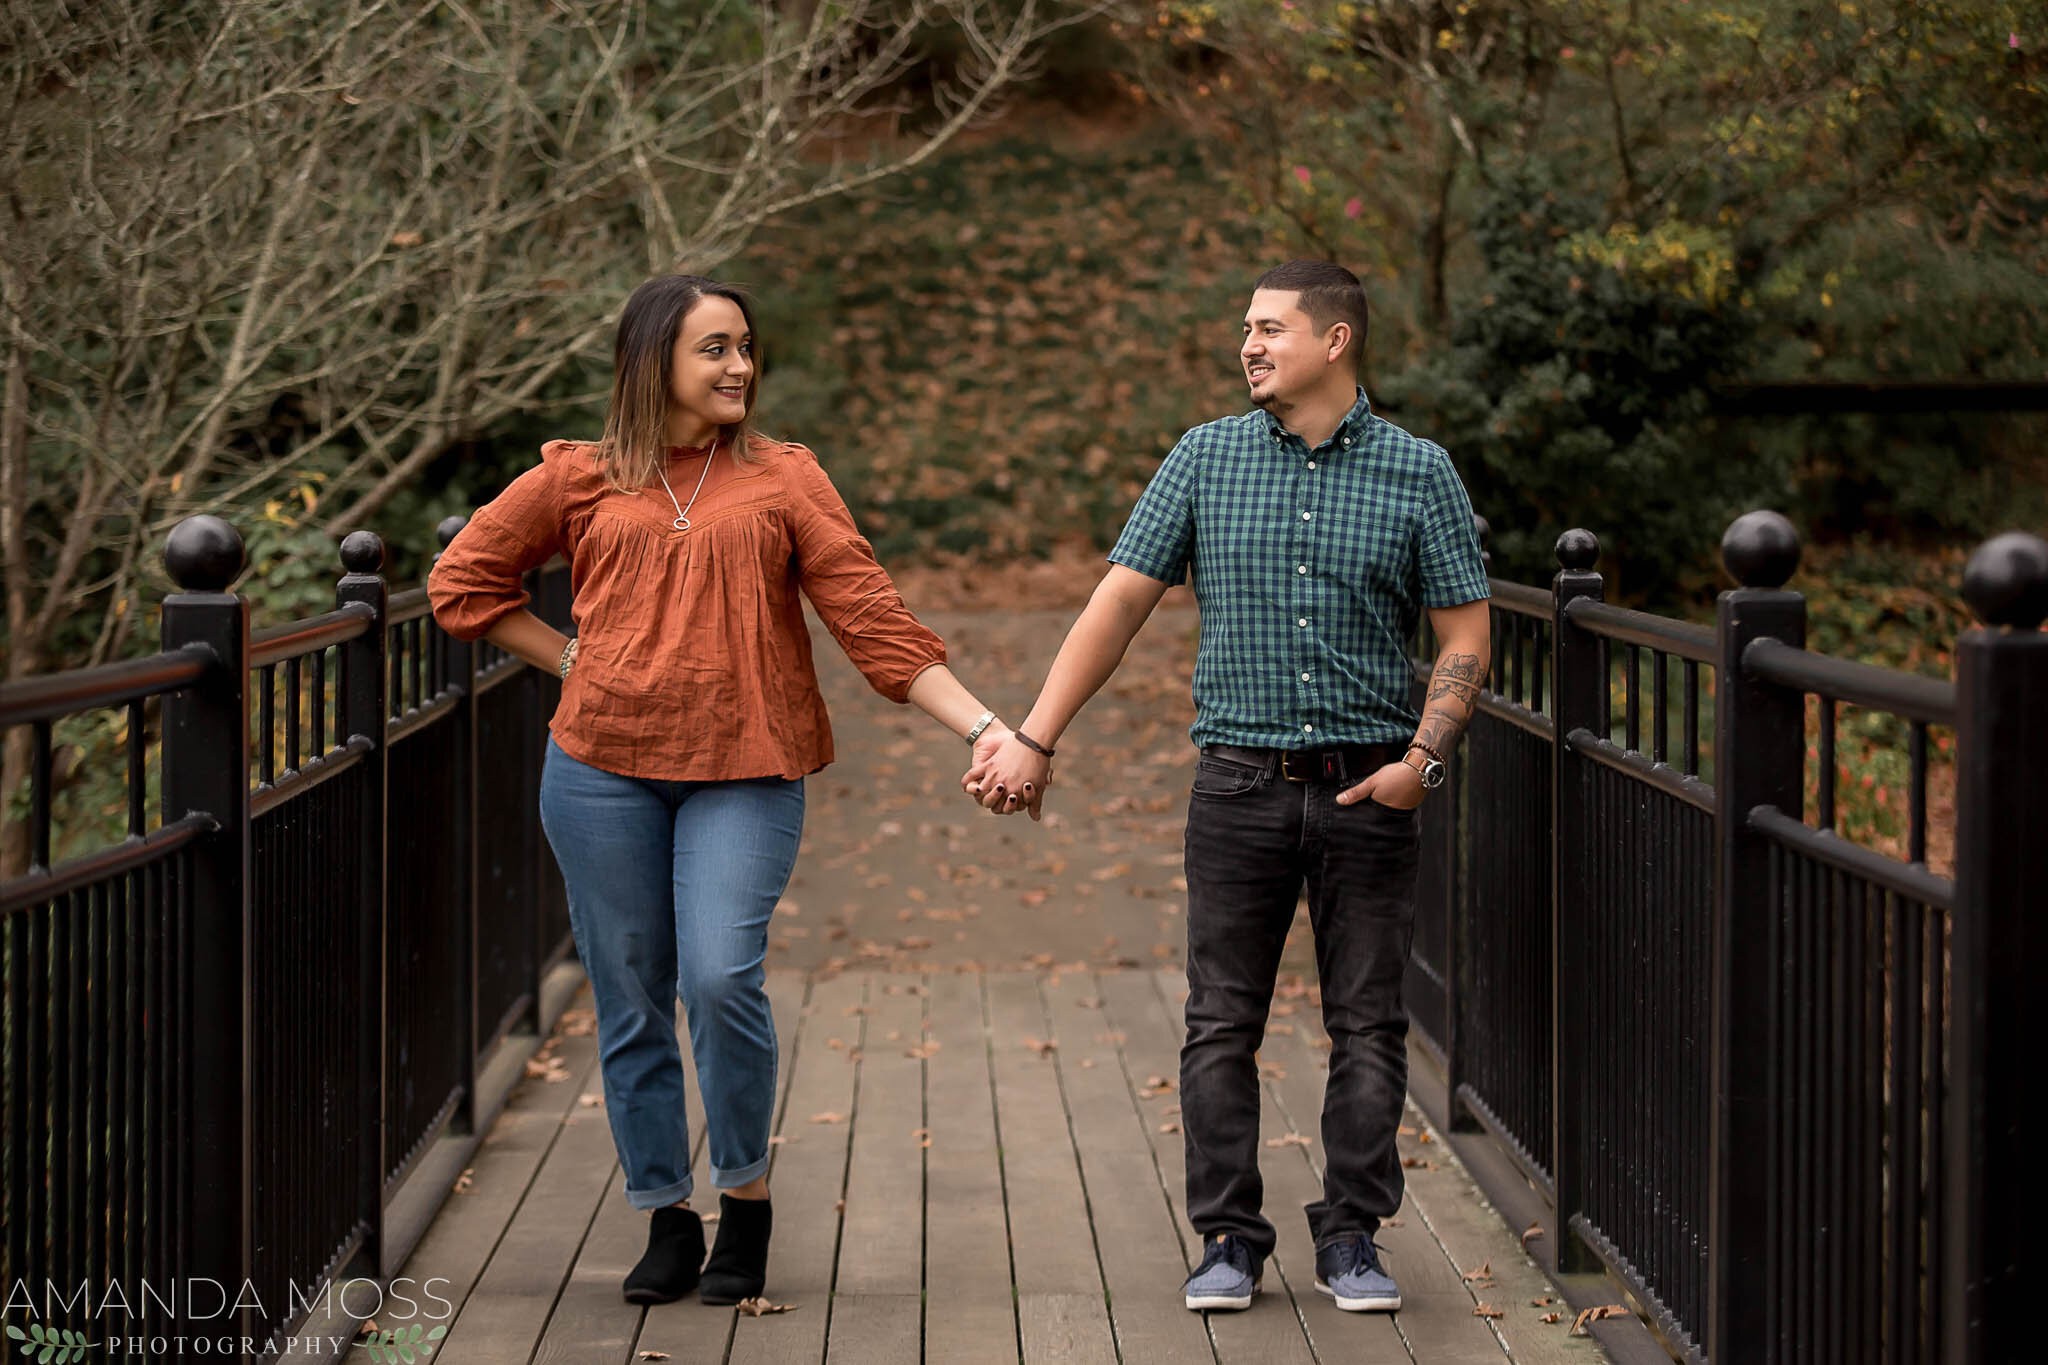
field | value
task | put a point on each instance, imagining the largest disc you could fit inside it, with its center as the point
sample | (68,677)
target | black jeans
(1253,838)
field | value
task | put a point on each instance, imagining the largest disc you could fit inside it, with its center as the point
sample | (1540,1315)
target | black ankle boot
(673,1260)
(738,1268)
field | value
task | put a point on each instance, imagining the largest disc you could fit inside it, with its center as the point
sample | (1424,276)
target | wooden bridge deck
(967,1167)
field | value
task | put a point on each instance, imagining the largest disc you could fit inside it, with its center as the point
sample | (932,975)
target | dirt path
(900,870)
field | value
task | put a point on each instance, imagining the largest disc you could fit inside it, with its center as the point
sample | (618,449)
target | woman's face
(712,370)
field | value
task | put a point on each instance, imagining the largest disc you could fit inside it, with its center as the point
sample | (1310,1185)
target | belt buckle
(1287,757)
(1320,765)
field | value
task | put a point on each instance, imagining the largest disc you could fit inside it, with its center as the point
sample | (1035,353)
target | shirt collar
(1353,423)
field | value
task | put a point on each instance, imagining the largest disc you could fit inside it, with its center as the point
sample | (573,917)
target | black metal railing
(1769,1078)
(228,1039)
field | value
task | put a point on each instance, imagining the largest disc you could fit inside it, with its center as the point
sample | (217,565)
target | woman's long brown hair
(643,354)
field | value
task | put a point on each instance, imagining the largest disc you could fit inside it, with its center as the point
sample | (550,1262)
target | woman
(673,791)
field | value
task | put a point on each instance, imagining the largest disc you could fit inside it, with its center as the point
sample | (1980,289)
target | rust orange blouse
(694,662)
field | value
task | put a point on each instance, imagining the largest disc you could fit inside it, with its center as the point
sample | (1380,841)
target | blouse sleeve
(851,591)
(477,581)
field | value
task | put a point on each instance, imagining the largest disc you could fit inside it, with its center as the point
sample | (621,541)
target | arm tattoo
(1453,692)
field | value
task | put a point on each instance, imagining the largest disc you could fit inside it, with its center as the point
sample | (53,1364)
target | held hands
(1007,777)
(1397,785)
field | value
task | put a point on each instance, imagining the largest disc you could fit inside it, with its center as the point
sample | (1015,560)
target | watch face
(1432,774)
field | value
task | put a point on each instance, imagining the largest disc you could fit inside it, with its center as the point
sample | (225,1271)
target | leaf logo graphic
(409,1345)
(56,1343)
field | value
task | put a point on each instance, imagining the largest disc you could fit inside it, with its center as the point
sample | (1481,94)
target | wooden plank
(1436,1319)
(883,1250)
(1060,1310)
(970,1311)
(874,1329)
(1132,1212)
(504,1316)
(451,1257)
(809,1180)
(1475,1239)
(1151,1032)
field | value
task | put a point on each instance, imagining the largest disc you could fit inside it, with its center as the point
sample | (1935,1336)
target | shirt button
(1304,677)
(1308,729)
(1302,622)
(1306,516)
(1301,568)
(1347,440)
(1311,464)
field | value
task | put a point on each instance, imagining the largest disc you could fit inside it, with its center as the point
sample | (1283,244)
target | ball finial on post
(204,554)
(1760,549)
(1578,550)
(2006,581)
(450,527)
(362,552)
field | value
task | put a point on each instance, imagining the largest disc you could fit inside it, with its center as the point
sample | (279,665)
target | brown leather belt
(1346,763)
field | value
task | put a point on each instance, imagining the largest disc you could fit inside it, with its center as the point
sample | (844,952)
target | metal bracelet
(568,655)
(982,722)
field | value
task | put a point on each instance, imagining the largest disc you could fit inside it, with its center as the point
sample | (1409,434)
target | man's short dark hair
(1329,293)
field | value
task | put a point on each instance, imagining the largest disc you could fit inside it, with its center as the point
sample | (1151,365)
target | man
(1316,533)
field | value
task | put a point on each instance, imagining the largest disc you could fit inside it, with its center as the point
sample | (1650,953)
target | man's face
(1283,357)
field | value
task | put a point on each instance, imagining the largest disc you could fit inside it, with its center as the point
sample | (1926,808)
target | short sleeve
(1452,571)
(477,581)
(1159,539)
(853,594)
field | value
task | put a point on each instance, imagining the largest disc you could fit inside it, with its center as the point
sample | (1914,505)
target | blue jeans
(670,888)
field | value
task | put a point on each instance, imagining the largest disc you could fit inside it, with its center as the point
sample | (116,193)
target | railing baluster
(40,795)
(1660,746)
(1631,691)
(292,694)
(267,719)
(1692,718)
(138,771)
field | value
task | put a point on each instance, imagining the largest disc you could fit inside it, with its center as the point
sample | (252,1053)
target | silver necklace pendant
(682,521)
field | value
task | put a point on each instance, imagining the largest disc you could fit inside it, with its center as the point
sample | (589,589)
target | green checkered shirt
(1311,567)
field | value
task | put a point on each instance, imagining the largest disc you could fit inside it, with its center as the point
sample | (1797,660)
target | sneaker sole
(1199,1302)
(1386,1303)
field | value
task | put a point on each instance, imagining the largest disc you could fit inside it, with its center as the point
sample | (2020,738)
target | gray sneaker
(1350,1272)
(1227,1277)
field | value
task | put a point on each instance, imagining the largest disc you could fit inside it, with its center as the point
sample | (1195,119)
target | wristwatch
(1432,770)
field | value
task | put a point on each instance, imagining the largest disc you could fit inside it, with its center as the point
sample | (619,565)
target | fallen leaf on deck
(1418,1163)
(1593,1315)
(755,1308)
(828,1117)
(779,1139)
(1485,1272)
(1169,1127)
(651,1355)
(1424,1137)
(1040,1046)
(590,1101)
(1390,1222)
(1533,1230)
(464,1181)
(1552,1316)
(1486,1310)
(1543,1302)
(1290,1140)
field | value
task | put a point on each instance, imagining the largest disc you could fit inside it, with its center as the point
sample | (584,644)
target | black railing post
(206,768)
(1580,699)
(1999,940)
(459,667)
(1457,909)
(364,717)
(533,733)
(1759,756)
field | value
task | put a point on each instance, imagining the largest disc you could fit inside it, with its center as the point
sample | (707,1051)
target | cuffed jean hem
(662,1198)
(743,1175)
